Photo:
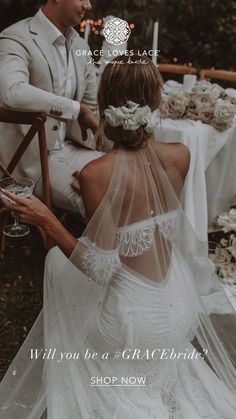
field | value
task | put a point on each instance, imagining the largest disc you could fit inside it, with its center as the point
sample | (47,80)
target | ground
(21,289)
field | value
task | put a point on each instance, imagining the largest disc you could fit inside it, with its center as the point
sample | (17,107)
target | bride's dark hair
(128,77)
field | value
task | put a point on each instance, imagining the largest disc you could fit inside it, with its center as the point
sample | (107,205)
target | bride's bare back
(96,176)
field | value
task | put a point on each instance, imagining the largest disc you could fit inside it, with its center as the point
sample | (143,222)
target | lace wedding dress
(137,313)
(128,315)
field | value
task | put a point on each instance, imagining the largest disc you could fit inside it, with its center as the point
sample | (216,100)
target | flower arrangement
(206,102)
(224,257)
(227,221)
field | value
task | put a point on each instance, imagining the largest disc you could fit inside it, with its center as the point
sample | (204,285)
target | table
(210,186)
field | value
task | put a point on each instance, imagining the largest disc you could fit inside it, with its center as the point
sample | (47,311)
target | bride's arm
(33,211)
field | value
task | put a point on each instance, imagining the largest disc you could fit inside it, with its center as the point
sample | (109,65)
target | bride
(132,319)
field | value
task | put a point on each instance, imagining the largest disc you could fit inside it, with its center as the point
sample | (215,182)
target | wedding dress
(122,317)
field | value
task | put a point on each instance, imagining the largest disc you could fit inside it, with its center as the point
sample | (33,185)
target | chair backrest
(36,122)
(211,73)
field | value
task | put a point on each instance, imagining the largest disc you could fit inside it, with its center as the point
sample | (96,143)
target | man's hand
(87,120)
(75,185)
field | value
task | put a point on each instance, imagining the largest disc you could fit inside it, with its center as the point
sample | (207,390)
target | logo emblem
(116,31)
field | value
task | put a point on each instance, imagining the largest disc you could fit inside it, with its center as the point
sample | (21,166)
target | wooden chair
(175,69)
(211,73)
(36,122)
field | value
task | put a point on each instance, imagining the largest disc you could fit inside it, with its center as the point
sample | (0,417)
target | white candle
(155,42)
(87,32)
(189,82)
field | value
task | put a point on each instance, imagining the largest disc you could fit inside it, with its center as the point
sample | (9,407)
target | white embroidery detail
(135,239)
(135,243)
(168,228)
(98,264)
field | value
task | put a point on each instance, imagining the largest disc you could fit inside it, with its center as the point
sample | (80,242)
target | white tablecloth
(221,179)
(210,181)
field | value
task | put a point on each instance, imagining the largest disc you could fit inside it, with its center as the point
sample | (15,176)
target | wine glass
(23,187)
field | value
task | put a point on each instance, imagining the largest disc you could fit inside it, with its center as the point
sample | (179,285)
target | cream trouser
(62,164)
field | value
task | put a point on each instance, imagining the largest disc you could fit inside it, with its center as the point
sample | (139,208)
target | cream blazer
(28,82)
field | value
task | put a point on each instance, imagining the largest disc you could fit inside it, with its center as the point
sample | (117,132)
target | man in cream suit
(40,72)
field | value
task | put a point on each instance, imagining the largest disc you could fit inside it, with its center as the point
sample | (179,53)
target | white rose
(191,110)
(232,250)
(150,120)
(200,107)
(224,111)
(227,221)
(220,126)
(164,107)
(231,99)
(192,100)
(177,104)
(230,273)
(204,99)
(202,86)
(114,116)
(232,213)
(191,114)
(216,92)
(223,257)
(223,242)
(205,111)
(223,222)
(133,116)
(223,273)
(232,270)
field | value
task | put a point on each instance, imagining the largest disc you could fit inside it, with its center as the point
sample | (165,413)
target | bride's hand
(27,210)
(33,211)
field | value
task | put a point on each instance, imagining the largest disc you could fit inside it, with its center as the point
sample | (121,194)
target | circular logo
(116,31)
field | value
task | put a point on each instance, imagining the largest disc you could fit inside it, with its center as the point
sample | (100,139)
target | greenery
(201,32)
(198,31)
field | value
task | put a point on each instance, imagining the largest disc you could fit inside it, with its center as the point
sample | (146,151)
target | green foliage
(202,31)
(13,10)
(198,31)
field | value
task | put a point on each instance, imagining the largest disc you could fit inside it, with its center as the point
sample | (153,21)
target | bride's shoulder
(173,150)
(102,165)
(174,155)
(94,180)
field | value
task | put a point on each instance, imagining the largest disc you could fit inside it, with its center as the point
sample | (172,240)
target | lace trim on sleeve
(98,264)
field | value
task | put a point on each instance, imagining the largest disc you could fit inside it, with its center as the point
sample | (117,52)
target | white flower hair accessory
(131,117)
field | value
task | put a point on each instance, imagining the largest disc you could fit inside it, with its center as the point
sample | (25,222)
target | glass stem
(16,223)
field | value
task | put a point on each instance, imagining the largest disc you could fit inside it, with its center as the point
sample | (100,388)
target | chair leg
(3,241)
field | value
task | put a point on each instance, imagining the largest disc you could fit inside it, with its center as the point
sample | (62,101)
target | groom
(40,72)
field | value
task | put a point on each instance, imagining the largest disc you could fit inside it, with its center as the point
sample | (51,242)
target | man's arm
(18,94)
(90,94)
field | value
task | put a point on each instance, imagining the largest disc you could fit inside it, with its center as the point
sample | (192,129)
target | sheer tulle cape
(138,231)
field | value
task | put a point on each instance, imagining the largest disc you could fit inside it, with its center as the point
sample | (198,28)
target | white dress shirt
(66,69)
